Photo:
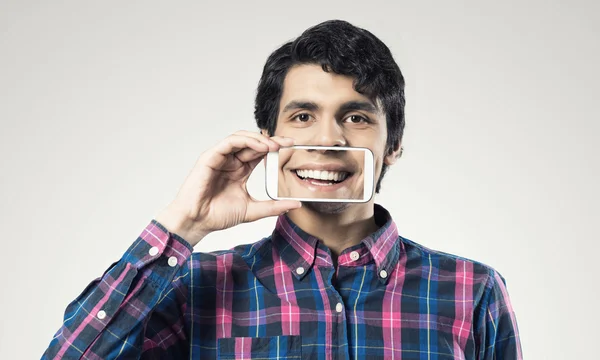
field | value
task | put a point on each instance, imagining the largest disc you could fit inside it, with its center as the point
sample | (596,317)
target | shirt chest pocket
(273,347)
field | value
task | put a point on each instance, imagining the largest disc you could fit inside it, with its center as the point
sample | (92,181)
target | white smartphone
(320,174)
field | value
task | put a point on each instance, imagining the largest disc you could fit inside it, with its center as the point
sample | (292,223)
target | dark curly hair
(343,49)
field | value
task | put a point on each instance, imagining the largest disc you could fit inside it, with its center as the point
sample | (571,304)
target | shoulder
(451,264)
(237,259)
(242,251)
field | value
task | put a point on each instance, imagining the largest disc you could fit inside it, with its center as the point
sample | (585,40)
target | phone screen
(314,173)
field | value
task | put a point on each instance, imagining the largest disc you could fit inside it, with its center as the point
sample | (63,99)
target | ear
(394,154)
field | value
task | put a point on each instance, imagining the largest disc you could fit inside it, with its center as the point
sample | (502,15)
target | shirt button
(300,270)
(101,314)
(172,261)
(354,255)
(383,274)
(153,251)
(339,307)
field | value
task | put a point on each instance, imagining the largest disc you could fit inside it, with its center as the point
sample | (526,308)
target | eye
(303,117)
(357,119)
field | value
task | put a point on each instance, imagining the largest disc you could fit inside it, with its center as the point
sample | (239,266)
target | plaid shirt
(282,297)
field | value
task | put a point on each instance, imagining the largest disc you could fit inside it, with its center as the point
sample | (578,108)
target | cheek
(378,165)
(301,135)
(281,129)
(378,160)
(284,157)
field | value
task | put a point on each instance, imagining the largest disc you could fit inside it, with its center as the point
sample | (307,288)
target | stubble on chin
(326,208)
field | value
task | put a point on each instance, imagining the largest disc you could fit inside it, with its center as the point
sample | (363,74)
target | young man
(333,280)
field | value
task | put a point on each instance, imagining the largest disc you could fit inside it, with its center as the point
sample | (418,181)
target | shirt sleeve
(498,334)
(136,308)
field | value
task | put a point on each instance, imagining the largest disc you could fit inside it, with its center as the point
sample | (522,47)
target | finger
(274,142)
(262,209)
(283,141)
(235,143)
(273,146)
(252,164)
(248,155)
(218,156)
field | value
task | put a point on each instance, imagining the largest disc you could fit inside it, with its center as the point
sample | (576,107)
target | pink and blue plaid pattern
(282,298)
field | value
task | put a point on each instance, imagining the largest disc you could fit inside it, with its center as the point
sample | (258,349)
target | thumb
(262,209)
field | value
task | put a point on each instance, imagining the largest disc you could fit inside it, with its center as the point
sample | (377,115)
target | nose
(329,133)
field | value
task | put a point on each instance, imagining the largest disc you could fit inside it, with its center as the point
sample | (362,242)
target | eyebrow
(300,105)
(347,106)
(358,105)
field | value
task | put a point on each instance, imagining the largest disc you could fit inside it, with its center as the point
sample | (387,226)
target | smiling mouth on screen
(322,180)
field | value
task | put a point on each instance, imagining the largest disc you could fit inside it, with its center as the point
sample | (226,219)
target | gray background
(105,107)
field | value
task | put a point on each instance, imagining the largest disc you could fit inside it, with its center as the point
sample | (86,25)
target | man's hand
(214,196)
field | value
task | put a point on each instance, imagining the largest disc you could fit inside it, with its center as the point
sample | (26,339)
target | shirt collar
(298,248)
(384,244)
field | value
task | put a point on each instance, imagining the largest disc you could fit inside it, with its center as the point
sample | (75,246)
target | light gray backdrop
(105,107)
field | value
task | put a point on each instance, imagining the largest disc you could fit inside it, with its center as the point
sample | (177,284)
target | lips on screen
(326,174)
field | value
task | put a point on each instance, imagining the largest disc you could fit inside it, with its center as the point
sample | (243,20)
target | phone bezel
(272,173)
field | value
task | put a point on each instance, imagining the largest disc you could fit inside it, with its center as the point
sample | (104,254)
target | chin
(327,207)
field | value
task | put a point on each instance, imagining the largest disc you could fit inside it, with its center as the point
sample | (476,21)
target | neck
(337,231)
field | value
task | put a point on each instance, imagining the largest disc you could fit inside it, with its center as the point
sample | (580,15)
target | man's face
(322,108)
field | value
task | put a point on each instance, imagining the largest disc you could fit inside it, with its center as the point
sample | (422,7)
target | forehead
(309,82)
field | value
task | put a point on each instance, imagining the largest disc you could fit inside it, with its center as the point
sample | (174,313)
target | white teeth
(322,174)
